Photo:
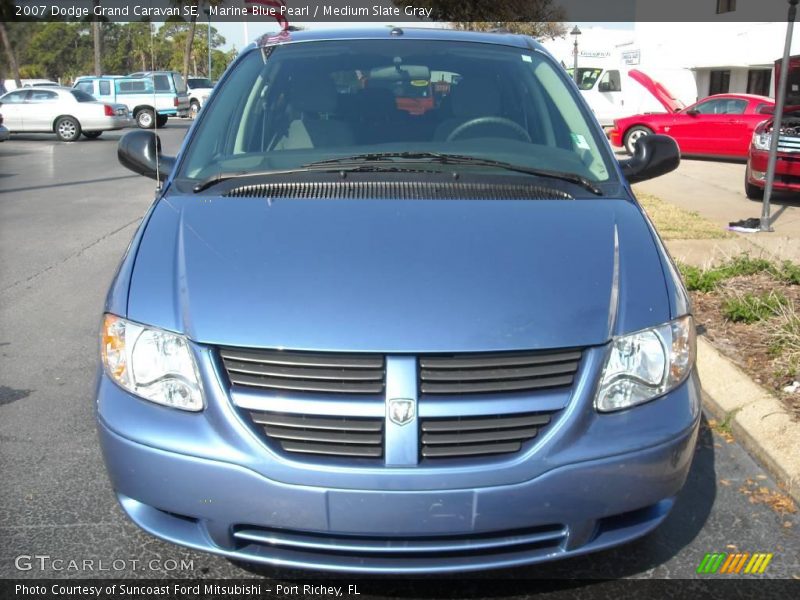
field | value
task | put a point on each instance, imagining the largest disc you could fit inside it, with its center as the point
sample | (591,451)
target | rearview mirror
(655,155)
(140,151)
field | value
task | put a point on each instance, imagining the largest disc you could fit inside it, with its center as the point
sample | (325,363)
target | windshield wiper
(460,159)
(213,180)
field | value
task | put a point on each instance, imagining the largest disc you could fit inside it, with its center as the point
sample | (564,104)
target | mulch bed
(749,345)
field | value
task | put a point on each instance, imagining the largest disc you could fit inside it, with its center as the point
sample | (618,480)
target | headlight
(761,141)
(153,364)
(644,365)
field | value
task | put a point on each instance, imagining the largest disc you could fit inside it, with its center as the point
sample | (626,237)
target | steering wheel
(508,123)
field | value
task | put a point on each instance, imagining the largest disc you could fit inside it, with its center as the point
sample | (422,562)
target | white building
(725,54)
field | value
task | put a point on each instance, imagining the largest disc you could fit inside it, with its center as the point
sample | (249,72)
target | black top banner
(310,11)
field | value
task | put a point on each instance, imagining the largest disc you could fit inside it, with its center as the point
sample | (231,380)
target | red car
(787,165)
(719,126)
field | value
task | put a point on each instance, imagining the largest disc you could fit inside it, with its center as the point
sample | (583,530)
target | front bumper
(787,170)
(615,137)
(107,123)
(204,480)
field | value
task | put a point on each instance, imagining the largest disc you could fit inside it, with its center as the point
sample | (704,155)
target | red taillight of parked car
(109,110)
(175,101)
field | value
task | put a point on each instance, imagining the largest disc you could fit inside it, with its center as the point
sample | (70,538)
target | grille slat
(481,436)
(475,436)
(285,420)
(495,374)
(472,450)
(397,190)
(305,371)
(322,435)
(476,423)
(251,368)
(507,372)
(307,385)
(482,361)
(305,359)
(407,547)
(333,449)
(495,386)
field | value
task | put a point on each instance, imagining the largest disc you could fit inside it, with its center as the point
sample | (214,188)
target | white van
(11,85)
(618,91)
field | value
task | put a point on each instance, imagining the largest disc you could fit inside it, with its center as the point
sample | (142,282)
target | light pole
(207,10)
(575,33)
(777,121)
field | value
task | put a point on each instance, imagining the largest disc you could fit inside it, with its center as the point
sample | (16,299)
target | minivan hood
(396,276)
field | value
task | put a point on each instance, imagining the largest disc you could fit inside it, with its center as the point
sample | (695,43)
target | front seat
(313,101)
(470,99)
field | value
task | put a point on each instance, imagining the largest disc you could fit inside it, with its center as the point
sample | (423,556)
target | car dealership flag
(278,10)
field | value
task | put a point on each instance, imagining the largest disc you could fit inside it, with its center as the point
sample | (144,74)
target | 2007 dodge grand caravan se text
(356,337)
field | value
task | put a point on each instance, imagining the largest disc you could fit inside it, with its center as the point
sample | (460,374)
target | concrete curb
(758,420)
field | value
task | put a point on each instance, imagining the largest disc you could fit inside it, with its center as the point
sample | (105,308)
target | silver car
(3,130)
(64,111)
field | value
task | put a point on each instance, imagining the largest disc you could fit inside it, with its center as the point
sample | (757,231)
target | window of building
(720,82)
(758,81)
(725,6)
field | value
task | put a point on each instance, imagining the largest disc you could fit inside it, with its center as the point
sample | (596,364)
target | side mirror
(693,112)
(604,86)
(140,151)
(655,155)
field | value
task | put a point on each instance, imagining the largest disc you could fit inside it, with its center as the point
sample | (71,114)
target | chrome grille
(788,144)
(473,436)
(305,371)
(332,436)
(506,372)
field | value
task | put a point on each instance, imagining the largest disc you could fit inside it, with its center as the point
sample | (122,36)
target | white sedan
(64,111)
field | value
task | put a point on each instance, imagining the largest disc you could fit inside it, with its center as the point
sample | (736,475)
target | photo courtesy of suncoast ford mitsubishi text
(395,309)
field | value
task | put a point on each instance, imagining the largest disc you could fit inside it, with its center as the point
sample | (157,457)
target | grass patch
(706,280)
(751,308)
(675,223)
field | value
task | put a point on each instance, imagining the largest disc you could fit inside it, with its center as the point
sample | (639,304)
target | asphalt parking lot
(67,213)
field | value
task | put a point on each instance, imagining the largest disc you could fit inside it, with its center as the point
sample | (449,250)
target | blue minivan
(352,337)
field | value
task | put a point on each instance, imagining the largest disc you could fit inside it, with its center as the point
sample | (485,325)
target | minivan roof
(416,33)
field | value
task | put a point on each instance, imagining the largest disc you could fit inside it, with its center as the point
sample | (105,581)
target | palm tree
(98,59)
(187,52)
(10,56)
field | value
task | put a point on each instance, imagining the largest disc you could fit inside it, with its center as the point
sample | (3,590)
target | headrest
(313,93)
(377,101)
(475,97)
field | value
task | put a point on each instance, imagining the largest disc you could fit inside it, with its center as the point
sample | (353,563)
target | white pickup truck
(200,89)
(151,97)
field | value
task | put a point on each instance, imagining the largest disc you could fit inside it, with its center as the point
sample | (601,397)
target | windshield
(586,77)
(315,101)
(199,83)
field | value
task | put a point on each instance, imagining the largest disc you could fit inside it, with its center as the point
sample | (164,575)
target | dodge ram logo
(401,411)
